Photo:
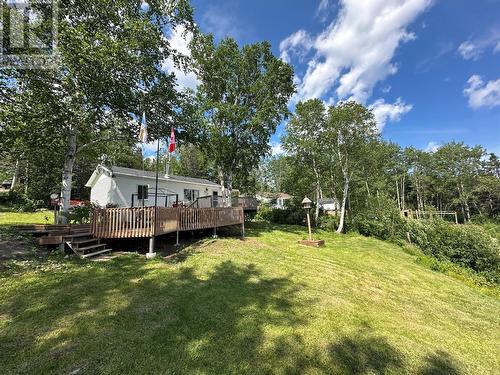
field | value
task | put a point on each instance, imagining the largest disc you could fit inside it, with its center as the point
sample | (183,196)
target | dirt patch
(15,249)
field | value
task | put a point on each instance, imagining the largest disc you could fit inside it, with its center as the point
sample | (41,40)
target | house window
(142,192)
(191,194)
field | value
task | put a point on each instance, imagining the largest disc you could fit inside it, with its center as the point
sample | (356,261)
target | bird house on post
(307,205)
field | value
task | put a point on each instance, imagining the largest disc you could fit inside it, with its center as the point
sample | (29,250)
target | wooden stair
(85,245)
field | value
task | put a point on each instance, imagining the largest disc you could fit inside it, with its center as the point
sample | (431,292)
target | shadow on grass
(439,363)
(116,317)
(131,316)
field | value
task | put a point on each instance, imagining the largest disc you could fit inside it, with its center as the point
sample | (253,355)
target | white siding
(119,190)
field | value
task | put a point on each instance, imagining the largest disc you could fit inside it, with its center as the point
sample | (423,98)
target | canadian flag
(171,145)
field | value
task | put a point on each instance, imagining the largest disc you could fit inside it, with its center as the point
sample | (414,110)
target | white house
(127,187)
(330,205)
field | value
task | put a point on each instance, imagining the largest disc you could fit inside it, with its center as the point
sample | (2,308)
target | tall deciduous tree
(349,129)
(242,97)
(305,139)
(109,68)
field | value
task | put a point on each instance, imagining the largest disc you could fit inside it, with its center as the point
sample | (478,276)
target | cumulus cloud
(384,112)
(298,43)
(355,51)
(481,94)
(473,49)
(179,40)
(432,147)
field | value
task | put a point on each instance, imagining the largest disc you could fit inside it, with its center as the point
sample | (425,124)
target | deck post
(177,238)
(215,233)
(151,253)
(243,228)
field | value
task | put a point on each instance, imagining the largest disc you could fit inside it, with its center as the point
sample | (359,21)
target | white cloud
(481,94)
(325,7)
(473,49)
(276,148)
(298,43)
(469,51)
(149,149)
(221,21)
(384,112)
(355,51)
(179,40)
(432,147)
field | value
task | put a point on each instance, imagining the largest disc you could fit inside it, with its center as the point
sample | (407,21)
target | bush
(290,215)
(329,222)
(81,214)
(20,202)
(381,218)
(468,245)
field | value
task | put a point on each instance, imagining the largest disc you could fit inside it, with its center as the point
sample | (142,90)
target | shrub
(20,202)
(290,215)
(81,214)
(380,218)
(468,245)
(329,222)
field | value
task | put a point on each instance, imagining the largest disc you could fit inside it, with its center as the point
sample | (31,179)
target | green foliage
(20,202)
(380,218)
(468,245)
(290,215)
(242,97)
(328,222)
(81,214)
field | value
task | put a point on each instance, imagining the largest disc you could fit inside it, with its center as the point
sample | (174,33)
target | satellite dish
(54,196)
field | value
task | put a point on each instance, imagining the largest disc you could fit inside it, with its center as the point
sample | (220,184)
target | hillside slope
(263,305)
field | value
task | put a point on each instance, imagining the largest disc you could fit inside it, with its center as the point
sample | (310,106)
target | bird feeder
(307,205)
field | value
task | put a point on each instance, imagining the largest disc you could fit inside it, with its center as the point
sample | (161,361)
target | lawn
(261,306)
(39,217)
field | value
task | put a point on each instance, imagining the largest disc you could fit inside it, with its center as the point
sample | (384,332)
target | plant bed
(313,243)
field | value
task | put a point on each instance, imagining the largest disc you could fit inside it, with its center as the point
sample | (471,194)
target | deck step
(78,235)
(84,241)
(83,249)
(95,253)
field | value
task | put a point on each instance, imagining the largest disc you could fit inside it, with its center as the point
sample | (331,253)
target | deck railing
(141,222)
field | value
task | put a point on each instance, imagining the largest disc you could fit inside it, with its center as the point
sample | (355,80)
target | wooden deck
(145,222)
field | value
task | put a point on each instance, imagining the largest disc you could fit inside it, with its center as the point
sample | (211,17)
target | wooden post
(456,218)
(215,232)
(177,237)
(309,226)
(243,228)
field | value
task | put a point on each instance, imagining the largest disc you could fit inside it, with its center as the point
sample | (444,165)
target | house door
(215,199)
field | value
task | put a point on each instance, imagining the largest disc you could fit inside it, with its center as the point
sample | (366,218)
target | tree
(304,138)
(108,72)
(242,97)
(349,129)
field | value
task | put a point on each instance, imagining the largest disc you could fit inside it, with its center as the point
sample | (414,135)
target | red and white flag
(171,145)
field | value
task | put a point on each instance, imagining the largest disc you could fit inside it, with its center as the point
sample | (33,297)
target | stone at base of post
(151,253)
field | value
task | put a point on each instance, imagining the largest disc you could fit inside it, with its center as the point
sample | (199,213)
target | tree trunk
(342,208)
(397,194)
(221,181)
(67,175)
(15,178)
(229,189)
(318,192)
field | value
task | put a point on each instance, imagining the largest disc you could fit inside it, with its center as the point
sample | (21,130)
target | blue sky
(430,70)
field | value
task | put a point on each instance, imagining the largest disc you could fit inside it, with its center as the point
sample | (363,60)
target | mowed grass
(265,305)
(8,217)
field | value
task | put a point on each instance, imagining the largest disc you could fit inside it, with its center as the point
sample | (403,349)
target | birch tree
(305,140)
(109,68)
(349,129)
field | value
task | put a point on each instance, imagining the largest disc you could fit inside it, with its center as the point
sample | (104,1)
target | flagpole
(156,180)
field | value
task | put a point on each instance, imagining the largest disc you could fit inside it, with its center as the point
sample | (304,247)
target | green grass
(8,217)
(261,306)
